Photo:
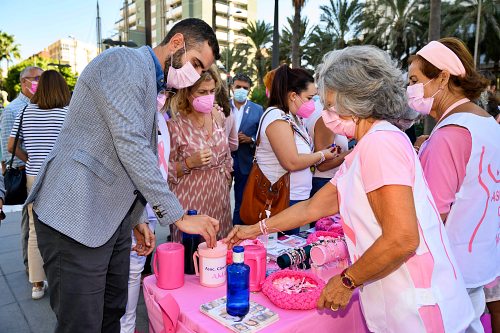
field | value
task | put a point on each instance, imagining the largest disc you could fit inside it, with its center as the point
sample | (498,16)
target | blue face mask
(316,98)
(240,95)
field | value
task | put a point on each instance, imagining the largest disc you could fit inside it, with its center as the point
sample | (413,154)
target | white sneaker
(39,292)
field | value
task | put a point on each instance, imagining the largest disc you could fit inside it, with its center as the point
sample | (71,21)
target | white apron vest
(398,302)
(473,223)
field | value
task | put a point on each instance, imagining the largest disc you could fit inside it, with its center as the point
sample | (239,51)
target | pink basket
(315,236)
(301,301)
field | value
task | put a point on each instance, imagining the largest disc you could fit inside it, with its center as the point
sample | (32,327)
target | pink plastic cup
(168,265)
(210,264)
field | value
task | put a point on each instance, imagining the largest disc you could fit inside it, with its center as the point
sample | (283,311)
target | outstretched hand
(202,225)
(238,234)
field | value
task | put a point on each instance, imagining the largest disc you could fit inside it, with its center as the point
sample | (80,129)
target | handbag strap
(287,119)
(17,138)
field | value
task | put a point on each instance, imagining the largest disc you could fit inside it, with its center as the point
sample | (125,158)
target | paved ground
(18,312)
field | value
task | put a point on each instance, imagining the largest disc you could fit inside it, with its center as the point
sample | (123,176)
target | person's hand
(202,225)
(334,296)
(238,234)
(420,140)
(242,138)
(200,158)
(146,240)
(330,153)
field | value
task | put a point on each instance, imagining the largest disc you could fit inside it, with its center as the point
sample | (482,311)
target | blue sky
(38,23)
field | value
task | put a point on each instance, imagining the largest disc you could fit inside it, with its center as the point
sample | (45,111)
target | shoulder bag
(15,178)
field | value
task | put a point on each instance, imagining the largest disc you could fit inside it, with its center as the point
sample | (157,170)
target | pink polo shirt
(444,161)
(386,157)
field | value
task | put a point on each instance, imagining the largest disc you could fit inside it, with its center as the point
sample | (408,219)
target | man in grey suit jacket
(103,168)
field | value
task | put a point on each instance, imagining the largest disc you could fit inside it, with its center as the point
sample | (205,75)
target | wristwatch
(347,281)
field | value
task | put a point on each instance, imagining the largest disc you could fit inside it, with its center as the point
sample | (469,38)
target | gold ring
(334,309)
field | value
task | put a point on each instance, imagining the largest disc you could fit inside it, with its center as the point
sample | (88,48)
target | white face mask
(183,77)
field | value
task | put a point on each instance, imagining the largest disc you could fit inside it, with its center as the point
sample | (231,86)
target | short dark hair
(195,31)
(288,80)
(52,92)
(242,77)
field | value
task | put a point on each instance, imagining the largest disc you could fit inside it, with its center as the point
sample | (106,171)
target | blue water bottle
(190,243)
(238,285)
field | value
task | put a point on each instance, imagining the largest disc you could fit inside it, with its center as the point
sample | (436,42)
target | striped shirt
(39,131)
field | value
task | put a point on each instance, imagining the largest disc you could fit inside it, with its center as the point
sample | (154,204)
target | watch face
(347,282)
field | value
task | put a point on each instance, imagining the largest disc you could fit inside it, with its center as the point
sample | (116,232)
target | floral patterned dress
(205,188)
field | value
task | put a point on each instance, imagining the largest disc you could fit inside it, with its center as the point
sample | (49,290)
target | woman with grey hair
(408,280)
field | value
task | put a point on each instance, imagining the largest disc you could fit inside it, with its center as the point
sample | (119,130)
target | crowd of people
(151,133)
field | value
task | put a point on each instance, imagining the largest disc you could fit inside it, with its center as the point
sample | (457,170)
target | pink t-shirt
(444,161)
(386,158)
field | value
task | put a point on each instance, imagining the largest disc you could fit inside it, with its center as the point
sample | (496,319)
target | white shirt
(238,113)
(301,180)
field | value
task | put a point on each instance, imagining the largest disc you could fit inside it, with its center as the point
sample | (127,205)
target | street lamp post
(476,42)
(74,48)
(228,35)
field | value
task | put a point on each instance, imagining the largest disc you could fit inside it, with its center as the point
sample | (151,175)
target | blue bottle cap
(192,212)
(238,249)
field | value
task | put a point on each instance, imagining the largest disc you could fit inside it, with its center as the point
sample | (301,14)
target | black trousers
(87,286)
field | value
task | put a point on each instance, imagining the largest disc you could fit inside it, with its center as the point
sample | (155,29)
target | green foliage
(258,95)
(8,49)
(459,20)
(257,49)
(286,41)
(12,85)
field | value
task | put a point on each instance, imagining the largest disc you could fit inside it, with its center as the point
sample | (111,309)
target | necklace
(197,123)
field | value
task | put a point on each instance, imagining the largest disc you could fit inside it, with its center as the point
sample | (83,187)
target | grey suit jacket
(106,154)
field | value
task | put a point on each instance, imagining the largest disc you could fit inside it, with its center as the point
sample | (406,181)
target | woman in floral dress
(200,162)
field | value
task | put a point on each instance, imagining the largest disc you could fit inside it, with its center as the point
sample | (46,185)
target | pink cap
(442,57)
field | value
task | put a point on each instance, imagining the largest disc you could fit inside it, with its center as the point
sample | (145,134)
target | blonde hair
(180,103)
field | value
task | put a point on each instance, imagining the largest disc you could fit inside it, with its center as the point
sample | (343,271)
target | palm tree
(460,21)
(319,42)
(297,5)
(287,36)
(343,19)
(259,36)
(8,49)
(398,26)
(435,20)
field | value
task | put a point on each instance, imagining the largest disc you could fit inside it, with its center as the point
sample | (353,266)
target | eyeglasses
(32,78)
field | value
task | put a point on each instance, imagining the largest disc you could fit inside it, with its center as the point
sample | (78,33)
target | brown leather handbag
(259,195)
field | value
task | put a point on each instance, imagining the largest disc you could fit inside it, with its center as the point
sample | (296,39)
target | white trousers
(127,322)
(479,304)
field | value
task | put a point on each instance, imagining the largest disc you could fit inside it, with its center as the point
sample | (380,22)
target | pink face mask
(183,77)
(306,109)
(34,87)
(416,99)
(268,93)
(338,125)
(204,104)
(160,101)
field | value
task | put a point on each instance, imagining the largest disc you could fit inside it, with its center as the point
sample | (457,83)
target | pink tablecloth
(192,295)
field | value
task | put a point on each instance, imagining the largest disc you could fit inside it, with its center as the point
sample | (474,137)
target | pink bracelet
(263,227)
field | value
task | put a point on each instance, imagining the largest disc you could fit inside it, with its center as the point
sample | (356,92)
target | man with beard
(92,187)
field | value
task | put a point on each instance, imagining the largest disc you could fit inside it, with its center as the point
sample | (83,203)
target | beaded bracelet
(321,160)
